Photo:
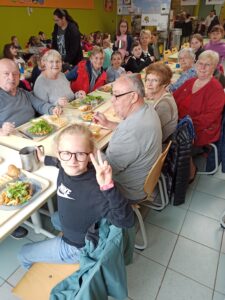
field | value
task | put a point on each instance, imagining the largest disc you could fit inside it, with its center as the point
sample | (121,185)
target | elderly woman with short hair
(158,77)
(203,99)
(186,59)
(52,85)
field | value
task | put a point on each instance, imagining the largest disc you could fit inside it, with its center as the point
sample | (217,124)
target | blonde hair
(96,50)
(145,31)
(79,129)
(211,55)
(50,54)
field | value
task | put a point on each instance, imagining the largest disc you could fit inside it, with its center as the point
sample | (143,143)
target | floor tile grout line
(12,273)
(210,194)
(199,243)
(184,275)
(167,266)
(201,214)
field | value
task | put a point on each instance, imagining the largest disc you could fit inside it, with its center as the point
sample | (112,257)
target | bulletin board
(87,4)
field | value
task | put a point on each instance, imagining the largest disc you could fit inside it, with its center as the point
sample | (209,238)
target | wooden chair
(39,280)
(153,178)
(174,50)
(166,54)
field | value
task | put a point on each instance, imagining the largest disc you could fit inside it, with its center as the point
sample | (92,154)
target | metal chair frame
(154,177)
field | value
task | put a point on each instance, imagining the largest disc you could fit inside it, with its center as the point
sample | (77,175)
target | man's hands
(62,101)
(57,111)
(7,128)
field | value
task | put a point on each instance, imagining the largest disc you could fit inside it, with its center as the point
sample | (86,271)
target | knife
(25,135)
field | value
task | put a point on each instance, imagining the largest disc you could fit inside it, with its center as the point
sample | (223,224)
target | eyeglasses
(120,95)
(155,80)
(206,65)
(66,155)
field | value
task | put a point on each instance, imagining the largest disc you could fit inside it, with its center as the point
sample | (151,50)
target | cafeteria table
(9,146)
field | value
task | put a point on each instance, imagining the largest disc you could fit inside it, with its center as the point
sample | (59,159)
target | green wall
(16,21)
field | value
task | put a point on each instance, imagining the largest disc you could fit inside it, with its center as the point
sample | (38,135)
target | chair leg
(165,189)
(142,228)
(216,162)
(164,199)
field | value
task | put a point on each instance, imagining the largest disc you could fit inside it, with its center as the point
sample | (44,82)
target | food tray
(105,89)
(24,128)
(41,184)
(59,122)
(102,133)
(80,102)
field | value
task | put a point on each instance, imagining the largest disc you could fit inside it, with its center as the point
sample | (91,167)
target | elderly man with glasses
(137,139)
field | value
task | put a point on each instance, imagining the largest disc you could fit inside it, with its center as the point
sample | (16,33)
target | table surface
(11,219)
(72,116)
(9,146)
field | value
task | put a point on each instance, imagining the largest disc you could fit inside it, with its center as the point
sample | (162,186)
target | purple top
(218,47)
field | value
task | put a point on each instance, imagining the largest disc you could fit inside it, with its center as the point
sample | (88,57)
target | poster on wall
(87,4)
(189,2)
(158,20)
(212,2)
(137,7)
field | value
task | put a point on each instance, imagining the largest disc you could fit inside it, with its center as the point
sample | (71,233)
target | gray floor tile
(6,292)
(9,249)
(160,244)
(195,261)
(207,205)
(211,185)
(144,278)
(171,218)
(220,279)
(16,276)
(34,237)
(175,286)
(218,296)
(223,243)
(219,174)
(194,228)
(1,281)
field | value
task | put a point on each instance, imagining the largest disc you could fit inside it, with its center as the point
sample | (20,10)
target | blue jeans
(51,251)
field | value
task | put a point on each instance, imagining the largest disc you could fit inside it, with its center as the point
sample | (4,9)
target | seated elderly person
(186,59)
(88,75)
(203,99)
(17,106)
(52,85)
(157,78)
(137,140)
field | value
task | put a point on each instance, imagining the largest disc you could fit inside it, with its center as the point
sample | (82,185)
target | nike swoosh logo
(64,195)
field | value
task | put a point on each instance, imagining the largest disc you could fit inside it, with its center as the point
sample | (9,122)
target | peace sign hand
(103,170)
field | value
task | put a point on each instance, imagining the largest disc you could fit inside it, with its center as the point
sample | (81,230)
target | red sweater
(82,81)
(205,107)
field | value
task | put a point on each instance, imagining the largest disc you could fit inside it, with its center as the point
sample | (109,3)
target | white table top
(13,218)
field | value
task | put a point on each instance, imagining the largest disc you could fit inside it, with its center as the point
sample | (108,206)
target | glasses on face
(120,95)
(206,65)
(66,155)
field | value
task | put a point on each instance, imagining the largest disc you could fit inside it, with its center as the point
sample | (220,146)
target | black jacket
(213,23)
(177,164)
(72,43)
(136,65)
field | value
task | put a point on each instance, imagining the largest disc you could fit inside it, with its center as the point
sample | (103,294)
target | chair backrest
(155,172)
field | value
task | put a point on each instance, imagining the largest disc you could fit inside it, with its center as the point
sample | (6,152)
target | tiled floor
(185,258)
